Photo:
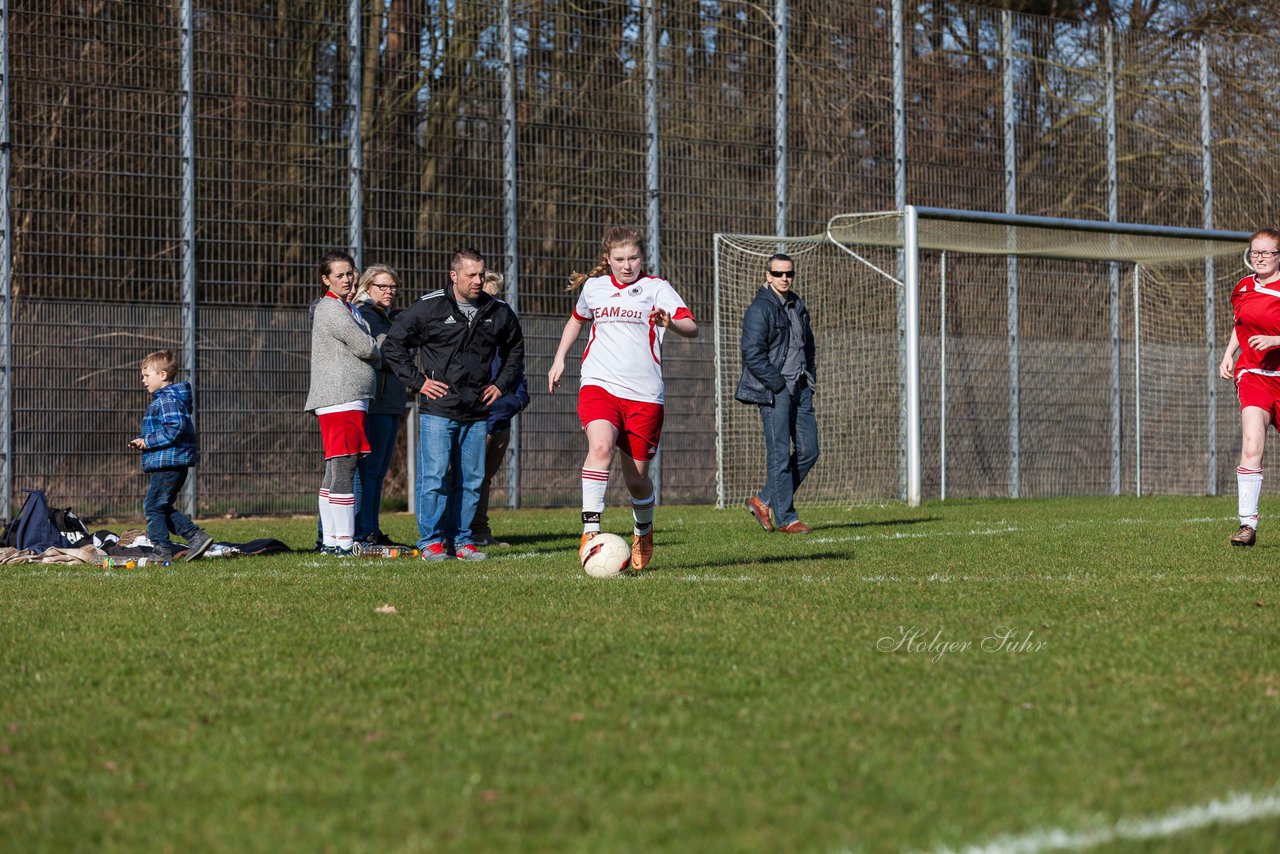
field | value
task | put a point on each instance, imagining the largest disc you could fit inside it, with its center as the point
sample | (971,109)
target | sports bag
(31,528)
(72,528)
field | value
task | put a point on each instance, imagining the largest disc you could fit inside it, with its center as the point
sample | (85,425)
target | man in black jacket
(779,372)
(458,331)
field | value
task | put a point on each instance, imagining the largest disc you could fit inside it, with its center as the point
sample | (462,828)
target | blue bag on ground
(31,528)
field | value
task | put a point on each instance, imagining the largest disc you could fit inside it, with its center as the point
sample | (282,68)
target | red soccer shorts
(639,424)
(1260,391)
(342,434)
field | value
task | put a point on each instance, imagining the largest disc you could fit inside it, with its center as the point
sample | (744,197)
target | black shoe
(380,539)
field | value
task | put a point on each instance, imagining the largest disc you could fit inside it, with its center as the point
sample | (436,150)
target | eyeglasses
(383,287)
(783,274)
(1264,253)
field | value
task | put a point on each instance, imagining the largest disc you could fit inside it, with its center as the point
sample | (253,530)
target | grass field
(964,674)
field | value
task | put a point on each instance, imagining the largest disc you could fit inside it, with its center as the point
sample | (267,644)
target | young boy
(168,445)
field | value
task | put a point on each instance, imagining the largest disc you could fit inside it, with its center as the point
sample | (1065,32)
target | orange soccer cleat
(641,550)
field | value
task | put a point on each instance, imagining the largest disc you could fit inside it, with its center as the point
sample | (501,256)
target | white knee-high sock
(1249,486)
(343,508)
(594,484)
(326,519)
(642,513)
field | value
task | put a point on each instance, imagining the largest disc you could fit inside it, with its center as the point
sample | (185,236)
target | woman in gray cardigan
(343,354)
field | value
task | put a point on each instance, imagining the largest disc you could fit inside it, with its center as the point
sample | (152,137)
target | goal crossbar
(892,244)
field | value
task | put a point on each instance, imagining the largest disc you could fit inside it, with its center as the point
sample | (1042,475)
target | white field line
(1235,809)
(1005,528)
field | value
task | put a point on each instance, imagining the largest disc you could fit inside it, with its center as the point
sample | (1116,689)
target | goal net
(972,354)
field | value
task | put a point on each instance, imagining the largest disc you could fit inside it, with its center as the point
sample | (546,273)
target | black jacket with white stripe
(455,351)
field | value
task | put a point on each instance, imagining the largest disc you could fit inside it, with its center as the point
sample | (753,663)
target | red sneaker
(434,551)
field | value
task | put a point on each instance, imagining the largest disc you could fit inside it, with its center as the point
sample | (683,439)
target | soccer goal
(970,354)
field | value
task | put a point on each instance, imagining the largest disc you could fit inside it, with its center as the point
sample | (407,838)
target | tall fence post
(186,45)
(1210,317)
(6,273)
(1113,214)
(652,212)
(780,121)
(900,203)
(1011,207)
(511,243)
(355,154)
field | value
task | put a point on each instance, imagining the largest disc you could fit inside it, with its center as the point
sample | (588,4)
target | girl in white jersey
(620,400)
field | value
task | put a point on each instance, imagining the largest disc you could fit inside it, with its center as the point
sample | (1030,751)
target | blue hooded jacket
(168,430)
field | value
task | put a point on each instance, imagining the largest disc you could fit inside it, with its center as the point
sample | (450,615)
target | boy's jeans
(442,441)
(159,510)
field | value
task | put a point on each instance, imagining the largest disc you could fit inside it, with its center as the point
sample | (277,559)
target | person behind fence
(1255,337)
(169,450)
(374,298)
(458,332)
(499,433)
(621,393)
(343,353)
(779,372)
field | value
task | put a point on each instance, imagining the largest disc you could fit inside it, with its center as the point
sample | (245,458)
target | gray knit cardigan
(343,356)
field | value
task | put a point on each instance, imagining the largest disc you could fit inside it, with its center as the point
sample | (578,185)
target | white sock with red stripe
(343,508)
(1249,487)
(326,519)
(594,484)
(642,513)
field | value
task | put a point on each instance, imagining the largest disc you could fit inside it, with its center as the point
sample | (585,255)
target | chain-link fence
(173,170)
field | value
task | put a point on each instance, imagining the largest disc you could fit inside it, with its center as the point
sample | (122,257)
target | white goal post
(975,354)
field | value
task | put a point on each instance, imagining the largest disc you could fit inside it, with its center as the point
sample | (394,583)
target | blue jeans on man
(443,442)
(791,448)
(381,430)
(162,517)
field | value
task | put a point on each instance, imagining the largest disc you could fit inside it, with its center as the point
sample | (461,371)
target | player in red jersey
(621,395)
(1256,336)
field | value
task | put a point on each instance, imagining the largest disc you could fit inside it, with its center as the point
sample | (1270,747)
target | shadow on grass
(738,563)
(878,523)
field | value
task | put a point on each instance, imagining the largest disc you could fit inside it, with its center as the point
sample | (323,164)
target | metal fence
(170,172)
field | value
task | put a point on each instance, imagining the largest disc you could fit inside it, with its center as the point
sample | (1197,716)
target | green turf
(745,695)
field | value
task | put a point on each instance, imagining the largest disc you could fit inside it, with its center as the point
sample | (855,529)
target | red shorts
(342,434)
(639,425)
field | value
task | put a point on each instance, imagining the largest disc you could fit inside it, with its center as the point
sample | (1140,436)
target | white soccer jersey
(624,351)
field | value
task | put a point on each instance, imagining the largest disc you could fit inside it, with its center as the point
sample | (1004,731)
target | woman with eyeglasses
(1255,336)
(374,298)
(620,401)
(343,354)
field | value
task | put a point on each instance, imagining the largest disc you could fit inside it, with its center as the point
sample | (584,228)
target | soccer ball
(605,555)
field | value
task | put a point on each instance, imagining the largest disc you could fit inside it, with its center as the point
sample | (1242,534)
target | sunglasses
(783,274)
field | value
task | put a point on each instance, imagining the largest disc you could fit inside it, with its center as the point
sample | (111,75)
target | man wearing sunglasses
(779,372)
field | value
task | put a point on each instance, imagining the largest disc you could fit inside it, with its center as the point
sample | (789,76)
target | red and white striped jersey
(1257,312)
(624,350)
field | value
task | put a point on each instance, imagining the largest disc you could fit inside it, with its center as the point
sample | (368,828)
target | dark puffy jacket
(456,352)
(388,394)
(766,335)
(168,430)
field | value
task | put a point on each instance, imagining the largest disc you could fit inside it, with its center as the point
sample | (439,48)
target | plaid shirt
(168,430)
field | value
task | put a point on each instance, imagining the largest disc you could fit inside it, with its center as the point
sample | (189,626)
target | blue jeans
(791,449)
(381,431)
(158,507)
(441,442)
